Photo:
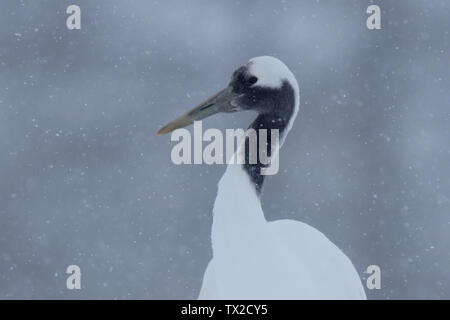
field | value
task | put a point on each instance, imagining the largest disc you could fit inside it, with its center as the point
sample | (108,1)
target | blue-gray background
(85,180)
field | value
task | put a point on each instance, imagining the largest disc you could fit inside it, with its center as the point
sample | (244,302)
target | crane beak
(220,102)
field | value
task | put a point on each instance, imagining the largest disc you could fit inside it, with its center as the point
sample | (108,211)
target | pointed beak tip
(213,105)
(160,132)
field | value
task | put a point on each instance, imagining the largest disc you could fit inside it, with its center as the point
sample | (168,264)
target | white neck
(237,211)
(238,217)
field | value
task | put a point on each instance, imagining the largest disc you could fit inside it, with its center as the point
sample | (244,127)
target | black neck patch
(273,115)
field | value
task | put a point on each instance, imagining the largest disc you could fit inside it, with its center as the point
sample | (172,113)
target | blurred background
(84,179)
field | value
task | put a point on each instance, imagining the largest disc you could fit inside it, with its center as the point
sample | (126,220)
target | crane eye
(252,80)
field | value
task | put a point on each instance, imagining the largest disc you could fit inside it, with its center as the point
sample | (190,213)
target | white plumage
(284,259)
(257,259)
(254,258)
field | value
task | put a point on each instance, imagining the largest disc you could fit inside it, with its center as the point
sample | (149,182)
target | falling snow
(86,181)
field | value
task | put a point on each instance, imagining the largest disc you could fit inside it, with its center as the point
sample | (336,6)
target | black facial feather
(275,107)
